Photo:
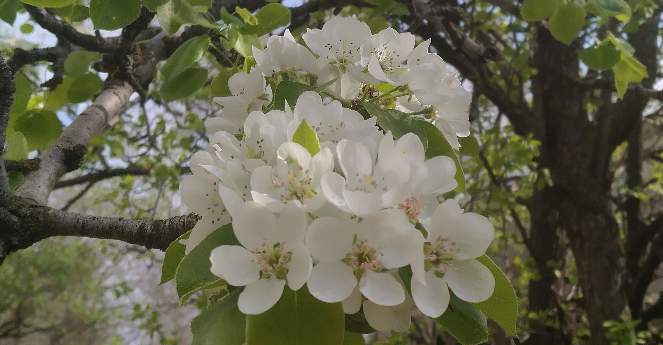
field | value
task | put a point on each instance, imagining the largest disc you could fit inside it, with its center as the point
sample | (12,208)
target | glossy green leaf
(353,339)
(185,55)
(502,306)
(113,14)
(78,62)
(48,3)
(8,10)
(356,323)
(184,84)
(84,88)
(152,5)
(398,122)
(306,136)
(219,85)
(627,70)
(270,18)
(567,22)
(243,43)
(175,13)
(18,147)
(464,321)
(220,324)
(203,3)
(248,17)
(600,58)
(228,18)
(173,257)
(624,47)
(616,8)
(438,146)
(535,10)
(193,273)
(289,91)
(298,318)
(40,127)
(469,146)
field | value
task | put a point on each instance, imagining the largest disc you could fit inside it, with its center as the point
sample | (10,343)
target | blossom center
(273,259)
(363,258)
(296,185)
(413,208)
(439,255)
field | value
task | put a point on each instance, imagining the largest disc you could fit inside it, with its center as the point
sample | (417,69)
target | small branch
(78,196)
(7,89)
(24,166)
(506,7)
(61,29)
(591,83)
(25,57)
(131,31)
(109,173)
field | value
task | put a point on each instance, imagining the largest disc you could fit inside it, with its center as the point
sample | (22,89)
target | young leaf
(172,259)
(219,87)
(184,84)
(186,55)
(438,146)
(193,273)
(113,14)
(600,58)
(84,87)
(566,23)
(270,18)
(617,8)
(398,122)
(464,322)
(176,13)
(469,146)
(153,4)
(289,91)
(502,306)
(242,42)
(298,318)
(248,17)
(78,62)
(49,3)
(40,127)
(8,9)
(307,137)
(18,147)
(535,10)
(220,324)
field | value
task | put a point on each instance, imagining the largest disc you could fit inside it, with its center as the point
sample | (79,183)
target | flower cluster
(344,212)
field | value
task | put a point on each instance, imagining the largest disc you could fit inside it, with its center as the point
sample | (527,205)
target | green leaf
(627,70)
(84,88)
(79,13)
(193,273)
(15,179)
(270,18)
(248,17)
(535,10)
(469,146)
(307,137)
(219,85)
(220,324)
(176,13)
(353,339)
(21,99)
(78,62)
(567,22)
(398,122)
(57,98)
(289,91)
(203,3)
(243,42)
(502,306)
(40,127)
(357,323)
(185,55)
(616,8)
(464,322)
(18,147)
(624,47)
(48,3)
(8,9)
(229,18)
(298,318)
(184,84)
(113,14)
(600,58)
(173,257)
(153,4)
(438,146)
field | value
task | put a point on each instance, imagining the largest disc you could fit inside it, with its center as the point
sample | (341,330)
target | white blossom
(249,93)
(284,54)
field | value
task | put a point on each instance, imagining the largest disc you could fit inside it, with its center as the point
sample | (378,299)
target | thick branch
(61,29)
(27,224)
(7,89)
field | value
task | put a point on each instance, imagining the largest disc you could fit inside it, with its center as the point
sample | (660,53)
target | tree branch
(7,89)
(24,224)
(109,173)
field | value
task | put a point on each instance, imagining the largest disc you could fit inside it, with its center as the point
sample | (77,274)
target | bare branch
(7,89)
(24,166)
(109,173)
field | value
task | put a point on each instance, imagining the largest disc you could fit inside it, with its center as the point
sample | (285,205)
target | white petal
(333,186)
(432,299)
(299,268)
(204,227)
(440,176)
(352,304)
(331,282)
(382,288)
(252,222)
(355,159)
(329,239)
(258,297)
(471,233)
(292,224)
(361,203)
(322,163)
(470,280)
(235,264)
(380,317)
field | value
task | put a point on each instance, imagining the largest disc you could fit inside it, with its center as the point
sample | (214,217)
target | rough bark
(7,88)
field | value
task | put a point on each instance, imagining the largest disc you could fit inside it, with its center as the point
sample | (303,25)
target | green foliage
(535,10)
(353,339)
(8,10)
(173,257)
(469,146)
(18,147)
(113,14)
(184,84)
(398,122)
(566,22)
(220,324)
(186,55)
(438,146)
(78,62)
(307,137)
(243,42)
(48,3)
(219,87)
(268,19)
(84,87)
(289,91)
(175,13)
(614,8)
(464,321)
(502,306)
(600,58)
(40,127)
(298,318)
